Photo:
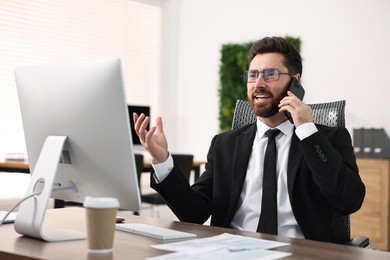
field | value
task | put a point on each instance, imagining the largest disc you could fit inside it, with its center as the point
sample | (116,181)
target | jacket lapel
(242,152)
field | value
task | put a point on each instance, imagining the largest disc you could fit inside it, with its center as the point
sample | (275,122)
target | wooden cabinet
(372,220)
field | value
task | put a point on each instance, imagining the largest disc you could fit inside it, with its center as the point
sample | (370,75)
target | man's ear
(297,76)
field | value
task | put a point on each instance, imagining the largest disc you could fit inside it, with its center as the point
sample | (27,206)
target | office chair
(184,162)
(329,114)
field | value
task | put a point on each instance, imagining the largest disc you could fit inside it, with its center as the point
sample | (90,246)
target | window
(45,31)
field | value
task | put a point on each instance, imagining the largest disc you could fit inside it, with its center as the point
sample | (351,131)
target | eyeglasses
(269,75)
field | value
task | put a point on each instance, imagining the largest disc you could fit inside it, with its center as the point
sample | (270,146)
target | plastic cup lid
(101,202)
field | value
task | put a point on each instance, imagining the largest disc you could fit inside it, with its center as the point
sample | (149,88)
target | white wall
(345,49)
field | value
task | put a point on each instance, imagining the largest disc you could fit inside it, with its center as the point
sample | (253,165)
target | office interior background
(173,66)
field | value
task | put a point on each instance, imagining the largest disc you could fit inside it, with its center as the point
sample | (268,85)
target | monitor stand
(31,214)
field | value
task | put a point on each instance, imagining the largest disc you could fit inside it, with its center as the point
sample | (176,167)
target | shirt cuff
(162,170)
(305,130)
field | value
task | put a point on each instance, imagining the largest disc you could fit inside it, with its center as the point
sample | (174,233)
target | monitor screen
(137,109)
(77,131)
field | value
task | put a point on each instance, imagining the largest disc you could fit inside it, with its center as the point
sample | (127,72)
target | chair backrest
(329,114)
(184,162)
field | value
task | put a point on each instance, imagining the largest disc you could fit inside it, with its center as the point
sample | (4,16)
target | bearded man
(315,177)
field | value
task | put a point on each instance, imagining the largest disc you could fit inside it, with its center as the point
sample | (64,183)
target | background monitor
(137,109)
(78,137)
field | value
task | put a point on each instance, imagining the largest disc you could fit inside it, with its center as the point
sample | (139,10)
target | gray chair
(329,114)
(184,162)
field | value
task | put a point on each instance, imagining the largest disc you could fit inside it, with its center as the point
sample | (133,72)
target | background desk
(373,219)
(23,166)
(14,166)
(131,246)
(195,167)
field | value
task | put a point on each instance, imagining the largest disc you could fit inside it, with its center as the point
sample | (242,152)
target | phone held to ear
(297,89)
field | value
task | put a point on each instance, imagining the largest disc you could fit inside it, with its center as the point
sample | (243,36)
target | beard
(269,110)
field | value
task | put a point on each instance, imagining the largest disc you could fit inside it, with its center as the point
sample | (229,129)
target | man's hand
(300,112)
(153,140)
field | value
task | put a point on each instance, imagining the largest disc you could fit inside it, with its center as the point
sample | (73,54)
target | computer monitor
(139,110)
(78,138)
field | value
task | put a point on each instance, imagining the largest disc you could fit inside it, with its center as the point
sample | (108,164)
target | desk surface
(131,246)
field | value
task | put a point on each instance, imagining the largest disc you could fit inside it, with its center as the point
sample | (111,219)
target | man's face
(264,96)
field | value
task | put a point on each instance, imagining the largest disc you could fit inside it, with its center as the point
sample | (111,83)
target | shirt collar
(286,128)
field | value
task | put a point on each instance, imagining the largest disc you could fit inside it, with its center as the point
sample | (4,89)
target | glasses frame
(266,78)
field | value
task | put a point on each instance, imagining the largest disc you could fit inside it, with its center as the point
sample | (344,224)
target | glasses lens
(268,74)
(246,76)
(251,75)
(271,74)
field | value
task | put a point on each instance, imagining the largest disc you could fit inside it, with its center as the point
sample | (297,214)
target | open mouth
(262,96)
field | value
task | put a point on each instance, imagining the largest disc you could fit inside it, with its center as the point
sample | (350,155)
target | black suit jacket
(323,182)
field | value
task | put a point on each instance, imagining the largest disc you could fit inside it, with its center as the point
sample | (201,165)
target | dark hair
(292,58)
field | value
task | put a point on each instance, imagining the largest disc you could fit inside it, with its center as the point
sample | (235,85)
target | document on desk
(224,246)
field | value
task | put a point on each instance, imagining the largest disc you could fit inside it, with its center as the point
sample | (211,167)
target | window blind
(45,31)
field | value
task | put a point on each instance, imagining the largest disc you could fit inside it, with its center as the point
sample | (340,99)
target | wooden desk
(131,246)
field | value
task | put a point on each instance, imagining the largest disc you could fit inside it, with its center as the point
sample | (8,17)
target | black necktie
(268,222)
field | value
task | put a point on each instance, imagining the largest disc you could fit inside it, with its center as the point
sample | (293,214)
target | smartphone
(297,89)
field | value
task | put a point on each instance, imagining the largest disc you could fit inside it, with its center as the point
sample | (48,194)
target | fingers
(159,125)
(288,102)
(140,126)
(300,112)
(154,139)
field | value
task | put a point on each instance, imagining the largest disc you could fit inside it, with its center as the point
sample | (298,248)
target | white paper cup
(101,215)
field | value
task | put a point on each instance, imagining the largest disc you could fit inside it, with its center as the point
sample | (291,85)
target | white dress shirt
(248,213)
